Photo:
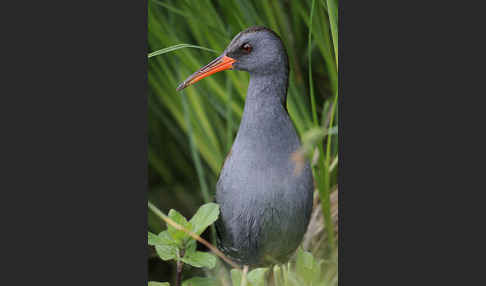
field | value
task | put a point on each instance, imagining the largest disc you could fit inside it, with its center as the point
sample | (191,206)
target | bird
(265,206)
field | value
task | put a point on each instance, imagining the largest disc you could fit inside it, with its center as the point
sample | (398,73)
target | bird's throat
(266,92)
(265,114)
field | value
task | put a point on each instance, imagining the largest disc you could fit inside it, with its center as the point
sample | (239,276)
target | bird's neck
(265,103)
(266,95)
(268,87)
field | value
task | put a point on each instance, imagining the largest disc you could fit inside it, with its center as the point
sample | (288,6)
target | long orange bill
(220,63)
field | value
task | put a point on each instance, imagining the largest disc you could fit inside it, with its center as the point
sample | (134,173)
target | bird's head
(257,50)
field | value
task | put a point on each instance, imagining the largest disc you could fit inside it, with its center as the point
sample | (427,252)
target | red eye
(246,47)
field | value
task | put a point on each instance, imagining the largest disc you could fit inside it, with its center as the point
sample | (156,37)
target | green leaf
(166,238)
(162,239)
(153,239)
(332,7)
(204,217)
(166,252)
(199,259)
(178,235)
(304,265)
(257,276)
(236,277)
(200,281)
(317,270)
(191,246)
(154,283)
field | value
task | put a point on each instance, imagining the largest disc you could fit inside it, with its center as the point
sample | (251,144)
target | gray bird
(265,205)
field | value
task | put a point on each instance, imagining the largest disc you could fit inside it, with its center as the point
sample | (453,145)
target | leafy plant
(304,270)
(176,244)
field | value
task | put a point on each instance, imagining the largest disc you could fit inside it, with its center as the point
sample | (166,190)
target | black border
(75,173)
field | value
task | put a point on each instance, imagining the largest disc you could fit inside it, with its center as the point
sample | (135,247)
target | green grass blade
(177,47)
(332,7)
(309,54)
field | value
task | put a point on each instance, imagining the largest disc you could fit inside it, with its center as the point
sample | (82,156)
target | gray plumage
(265,206)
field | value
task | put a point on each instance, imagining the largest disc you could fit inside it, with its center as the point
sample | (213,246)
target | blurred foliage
(191,132)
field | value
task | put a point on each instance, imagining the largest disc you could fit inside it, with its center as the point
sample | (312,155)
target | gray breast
(265,206)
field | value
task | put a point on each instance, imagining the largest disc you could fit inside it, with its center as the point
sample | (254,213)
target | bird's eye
(246,47)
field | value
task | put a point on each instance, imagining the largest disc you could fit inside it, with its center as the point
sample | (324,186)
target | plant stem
(243,277)
(179,273)
(180,265)
(309,54)
(326,207)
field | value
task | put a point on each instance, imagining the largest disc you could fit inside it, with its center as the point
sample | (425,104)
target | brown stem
(179,273)
(243,277)
(180,265)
